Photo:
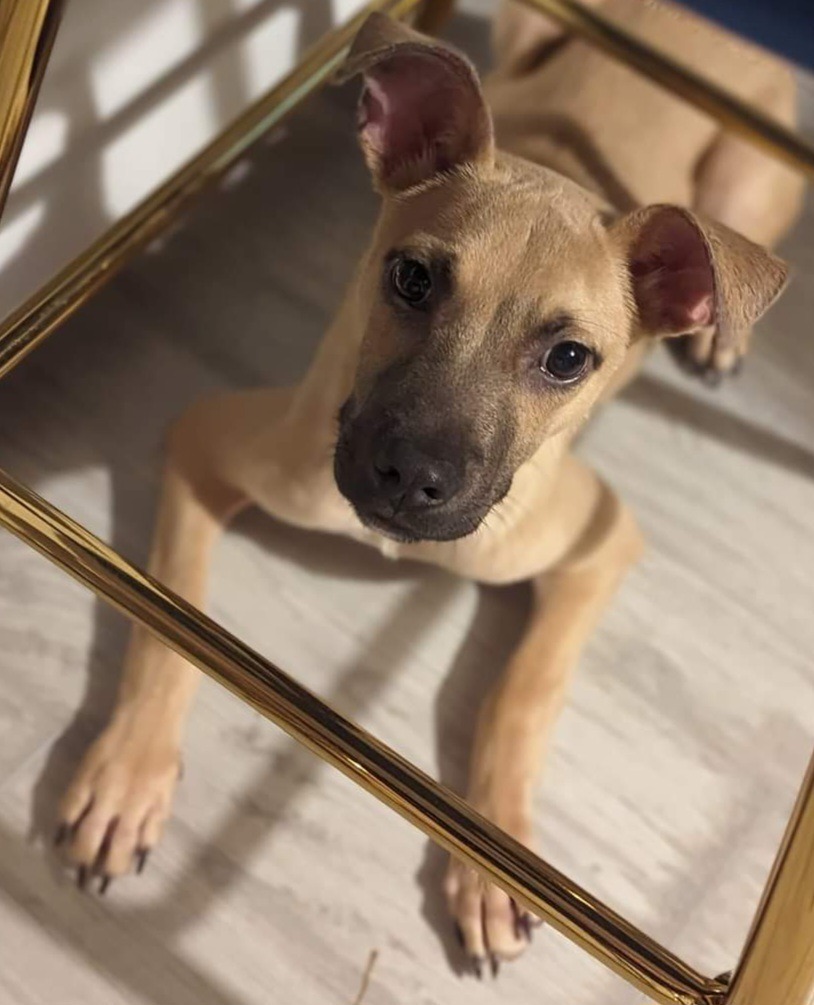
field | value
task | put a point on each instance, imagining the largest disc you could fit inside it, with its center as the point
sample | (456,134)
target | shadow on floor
(288,277)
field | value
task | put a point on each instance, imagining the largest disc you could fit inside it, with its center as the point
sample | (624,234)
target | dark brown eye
(566,361)
(411,281)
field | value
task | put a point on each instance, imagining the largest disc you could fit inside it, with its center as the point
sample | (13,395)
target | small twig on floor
(371,963)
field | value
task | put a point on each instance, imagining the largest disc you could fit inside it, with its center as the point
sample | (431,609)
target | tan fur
(611,139)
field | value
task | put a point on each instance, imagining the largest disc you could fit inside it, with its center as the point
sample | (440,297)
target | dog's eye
(566,361)
(411,281)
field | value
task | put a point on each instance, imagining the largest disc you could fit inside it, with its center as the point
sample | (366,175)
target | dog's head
(498,299)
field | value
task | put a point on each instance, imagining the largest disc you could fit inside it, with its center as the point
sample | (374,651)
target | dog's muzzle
(407,488)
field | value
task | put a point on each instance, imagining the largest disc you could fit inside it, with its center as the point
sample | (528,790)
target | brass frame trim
(773,967)
(27,32)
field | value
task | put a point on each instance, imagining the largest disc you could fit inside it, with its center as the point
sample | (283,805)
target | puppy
(524,261)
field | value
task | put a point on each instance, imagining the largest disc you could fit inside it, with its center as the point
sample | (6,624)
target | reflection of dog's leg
(116,806)
(516,722)
(522,36)
(754,194)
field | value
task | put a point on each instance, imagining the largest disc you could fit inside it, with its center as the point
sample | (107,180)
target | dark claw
(679,349)
(82,877)
(524,923)
(61,835)
(477,966)
(141,859)
(518,920)
(495,965)
(459,935)
(103,885)
(737,367)
(104,850)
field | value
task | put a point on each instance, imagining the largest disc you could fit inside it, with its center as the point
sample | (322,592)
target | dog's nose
(410,479)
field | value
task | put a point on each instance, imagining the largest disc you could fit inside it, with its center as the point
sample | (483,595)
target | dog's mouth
(407,532)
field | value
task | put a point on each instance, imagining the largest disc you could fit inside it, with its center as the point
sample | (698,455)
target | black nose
(411,479)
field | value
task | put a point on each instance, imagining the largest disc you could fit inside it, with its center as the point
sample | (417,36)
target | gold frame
(27,32)
(777,966)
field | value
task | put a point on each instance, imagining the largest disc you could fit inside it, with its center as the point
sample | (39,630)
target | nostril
(388,476)
(403,478)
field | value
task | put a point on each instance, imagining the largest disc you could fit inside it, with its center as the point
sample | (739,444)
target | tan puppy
(502,296)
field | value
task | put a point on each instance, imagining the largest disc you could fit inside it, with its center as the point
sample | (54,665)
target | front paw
(491,927)
(114,810)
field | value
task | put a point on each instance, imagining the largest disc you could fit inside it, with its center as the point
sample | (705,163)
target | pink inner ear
(672,275)
(373,113)
(414,109)
(702,313)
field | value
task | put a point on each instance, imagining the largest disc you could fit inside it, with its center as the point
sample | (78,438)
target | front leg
(517,720)
(227,451)
(114,810)
(116,806)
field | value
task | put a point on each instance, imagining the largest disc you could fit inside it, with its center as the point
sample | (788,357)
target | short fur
(603,216)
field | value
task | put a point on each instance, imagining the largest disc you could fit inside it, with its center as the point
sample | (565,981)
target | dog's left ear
(421,111)
(689,273)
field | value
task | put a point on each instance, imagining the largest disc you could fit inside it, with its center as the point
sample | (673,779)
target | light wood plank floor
(676,762)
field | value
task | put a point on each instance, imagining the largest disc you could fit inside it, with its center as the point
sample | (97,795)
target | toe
(469,913)
(125,840)
(464,892)
(726,359)
(91,834)
(75,805)
(153,826)
(504,937)
(700,348)
(149,835)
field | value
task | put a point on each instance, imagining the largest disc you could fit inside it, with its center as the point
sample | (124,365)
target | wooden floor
(675,764)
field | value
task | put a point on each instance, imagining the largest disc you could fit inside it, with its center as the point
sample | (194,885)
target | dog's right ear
(422,111)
